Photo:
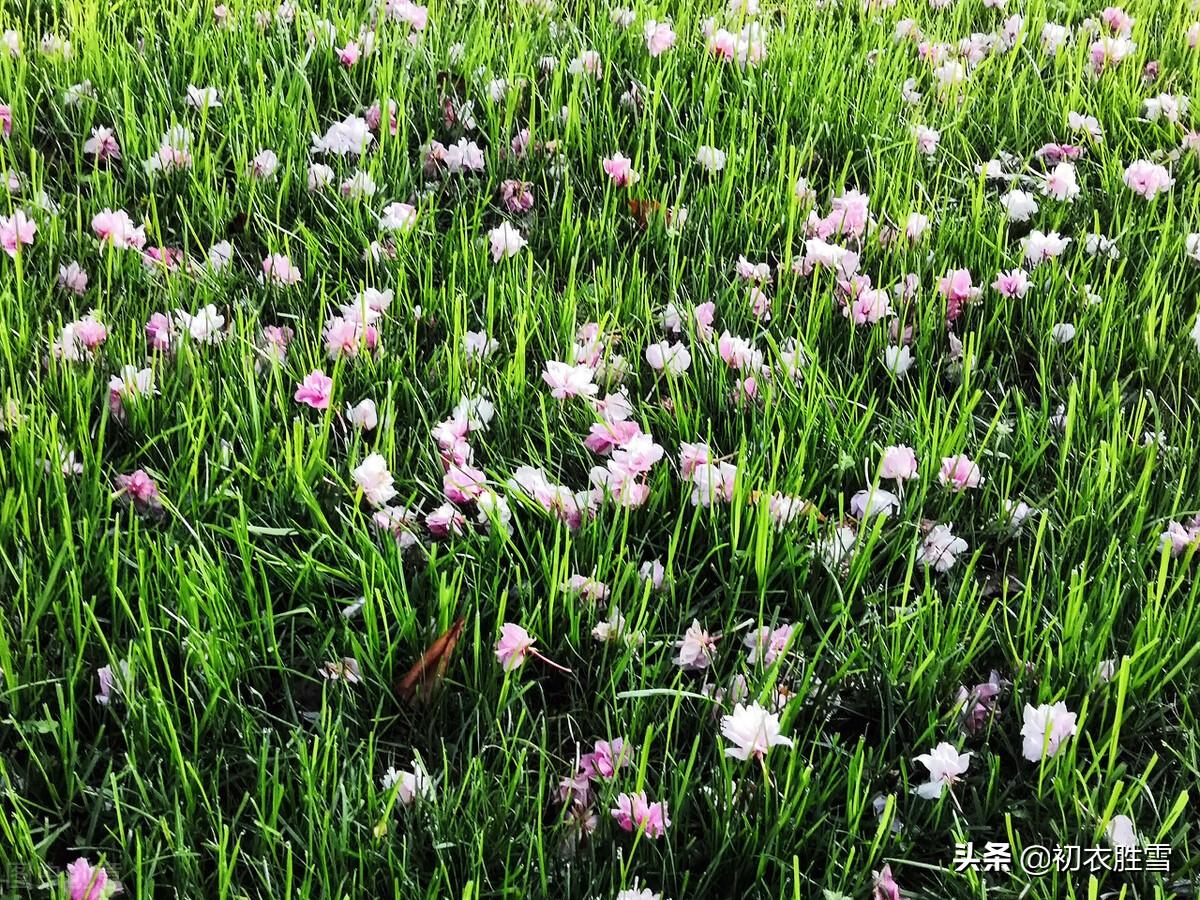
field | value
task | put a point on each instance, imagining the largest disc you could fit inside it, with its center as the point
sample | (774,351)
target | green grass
(227,767)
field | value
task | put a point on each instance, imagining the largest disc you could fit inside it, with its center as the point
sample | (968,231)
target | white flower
(203,98)
(1039,247)
(373,477)
(1062,333)
(132,382)
(1015,513)
(506,242)
(205,326)
(897,360)
(363,416)
(927,139)
(398,217)
(1120,832)
(1196,332)
(319,176)
(219,255)
(1192,245)
(358,186)
(264,164)
(945,764)
(837,549)
(870,503)
(940,548)
(351,135)
(477,345)
(753,731)
(409,785)
(1045,728)
(1018,205)
(1089,124)
(671,358)
(1099,245)
(711,159)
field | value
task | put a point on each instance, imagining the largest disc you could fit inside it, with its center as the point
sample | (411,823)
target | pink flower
(633,812)
(620,170)
(1148,179)
(73,278)
(517,196)
(346,338)
(1012,284)
(979,704)
(569,381)
(608,758)
(88,882)
(278,269)
(605,436)
(1117,20)
(959,473)
(956,287)
(374,116)
(6,119)
(445,521)
(462,484)
(767,644)
(15,231)
(315,390)
(116,229)
(885,887)
(691,456)
(659,37)
(275,340)
(899,462)
(349,54)
(698,648)
(514,646)
(160,331)
(102,144)
(704,315)
(140,488)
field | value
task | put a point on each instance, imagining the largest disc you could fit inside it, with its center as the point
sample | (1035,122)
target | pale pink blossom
(1148,179)
(278,269)
(569,381)
(514,646)
(767,644)
(959,473)
(620,170)
(697,649)
(713,482)
(16,230)
(899,463)
(102,144)
(659,37)
(1013,284)
(506,241)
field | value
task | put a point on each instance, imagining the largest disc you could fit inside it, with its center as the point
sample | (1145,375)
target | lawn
(529,449)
